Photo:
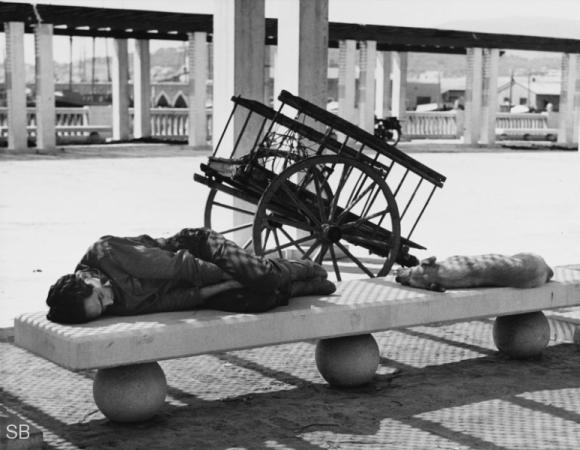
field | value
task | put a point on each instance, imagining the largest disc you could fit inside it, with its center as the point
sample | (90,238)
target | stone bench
(126,349)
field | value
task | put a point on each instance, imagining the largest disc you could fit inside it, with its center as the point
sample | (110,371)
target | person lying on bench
(193,269)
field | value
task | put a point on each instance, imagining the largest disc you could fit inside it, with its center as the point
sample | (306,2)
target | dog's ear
(428,261)
(436,287)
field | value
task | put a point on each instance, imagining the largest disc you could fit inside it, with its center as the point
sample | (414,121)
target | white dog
(523,270)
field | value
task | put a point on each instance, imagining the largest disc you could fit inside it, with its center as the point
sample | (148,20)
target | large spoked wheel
(332,210)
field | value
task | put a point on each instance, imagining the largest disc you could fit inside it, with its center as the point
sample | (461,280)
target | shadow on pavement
(446,402)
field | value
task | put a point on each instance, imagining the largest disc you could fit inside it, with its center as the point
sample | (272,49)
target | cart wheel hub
(331,233)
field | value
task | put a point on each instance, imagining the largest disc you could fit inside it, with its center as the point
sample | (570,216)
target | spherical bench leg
(522,335)
(131,393)
(348,361)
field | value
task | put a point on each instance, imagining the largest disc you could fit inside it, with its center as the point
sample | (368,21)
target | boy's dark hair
(65,300)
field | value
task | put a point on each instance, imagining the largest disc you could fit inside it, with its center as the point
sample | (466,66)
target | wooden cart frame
(305,183)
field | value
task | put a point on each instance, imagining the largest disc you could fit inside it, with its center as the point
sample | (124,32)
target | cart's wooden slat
(340,148)
(344,126)
(309,132)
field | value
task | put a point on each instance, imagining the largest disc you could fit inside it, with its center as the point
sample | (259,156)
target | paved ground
(437,387)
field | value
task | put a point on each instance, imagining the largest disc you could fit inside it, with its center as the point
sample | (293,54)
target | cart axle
(330,233)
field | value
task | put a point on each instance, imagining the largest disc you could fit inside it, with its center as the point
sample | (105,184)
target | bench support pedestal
(131,393)
(348,361)
(522,335)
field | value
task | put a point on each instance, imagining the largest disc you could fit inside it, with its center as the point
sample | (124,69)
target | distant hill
(456,65)
(166,62)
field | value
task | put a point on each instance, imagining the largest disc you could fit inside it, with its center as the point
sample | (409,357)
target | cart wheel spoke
(234,208)
(321,198)
(353,203)
(360,182)
(247,244)
(268,231)
(313,247)
(321,253)
(243,226)
(355,260)
(343,177)
(277,240)
(334,262)
(295,243)
(300,204)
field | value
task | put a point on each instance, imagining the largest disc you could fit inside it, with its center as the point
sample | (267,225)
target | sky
(554,18)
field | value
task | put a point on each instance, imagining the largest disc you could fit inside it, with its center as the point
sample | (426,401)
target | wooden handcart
(302,182)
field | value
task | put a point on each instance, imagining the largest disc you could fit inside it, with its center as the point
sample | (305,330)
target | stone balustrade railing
(173,123)
(521,121)
(65,117)
(433,125)
(169,123)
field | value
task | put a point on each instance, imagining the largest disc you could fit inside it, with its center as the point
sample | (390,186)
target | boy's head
(78,298)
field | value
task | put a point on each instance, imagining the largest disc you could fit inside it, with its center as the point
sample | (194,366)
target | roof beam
(116,23)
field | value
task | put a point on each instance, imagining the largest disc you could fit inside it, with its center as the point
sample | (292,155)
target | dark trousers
(266,283)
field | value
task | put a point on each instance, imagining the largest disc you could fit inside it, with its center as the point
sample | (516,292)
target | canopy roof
(145,24)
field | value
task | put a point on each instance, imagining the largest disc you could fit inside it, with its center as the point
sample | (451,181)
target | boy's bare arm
(209,291)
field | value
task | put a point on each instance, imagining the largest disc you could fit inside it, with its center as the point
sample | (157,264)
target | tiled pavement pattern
(438,387)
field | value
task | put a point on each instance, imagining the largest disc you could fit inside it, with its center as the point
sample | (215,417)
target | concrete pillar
(366,85)
(120,88)
(239,33)
(286,71)
(489,95)
(45,106)
(197,61)
(576,116)
(302,67)
(473,94)
(142,89)
(270,57)
(383,102)
(567,95)
(399,89)
(346,79)
(15,81)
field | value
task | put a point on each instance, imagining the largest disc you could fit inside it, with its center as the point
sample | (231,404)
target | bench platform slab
(358,307)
